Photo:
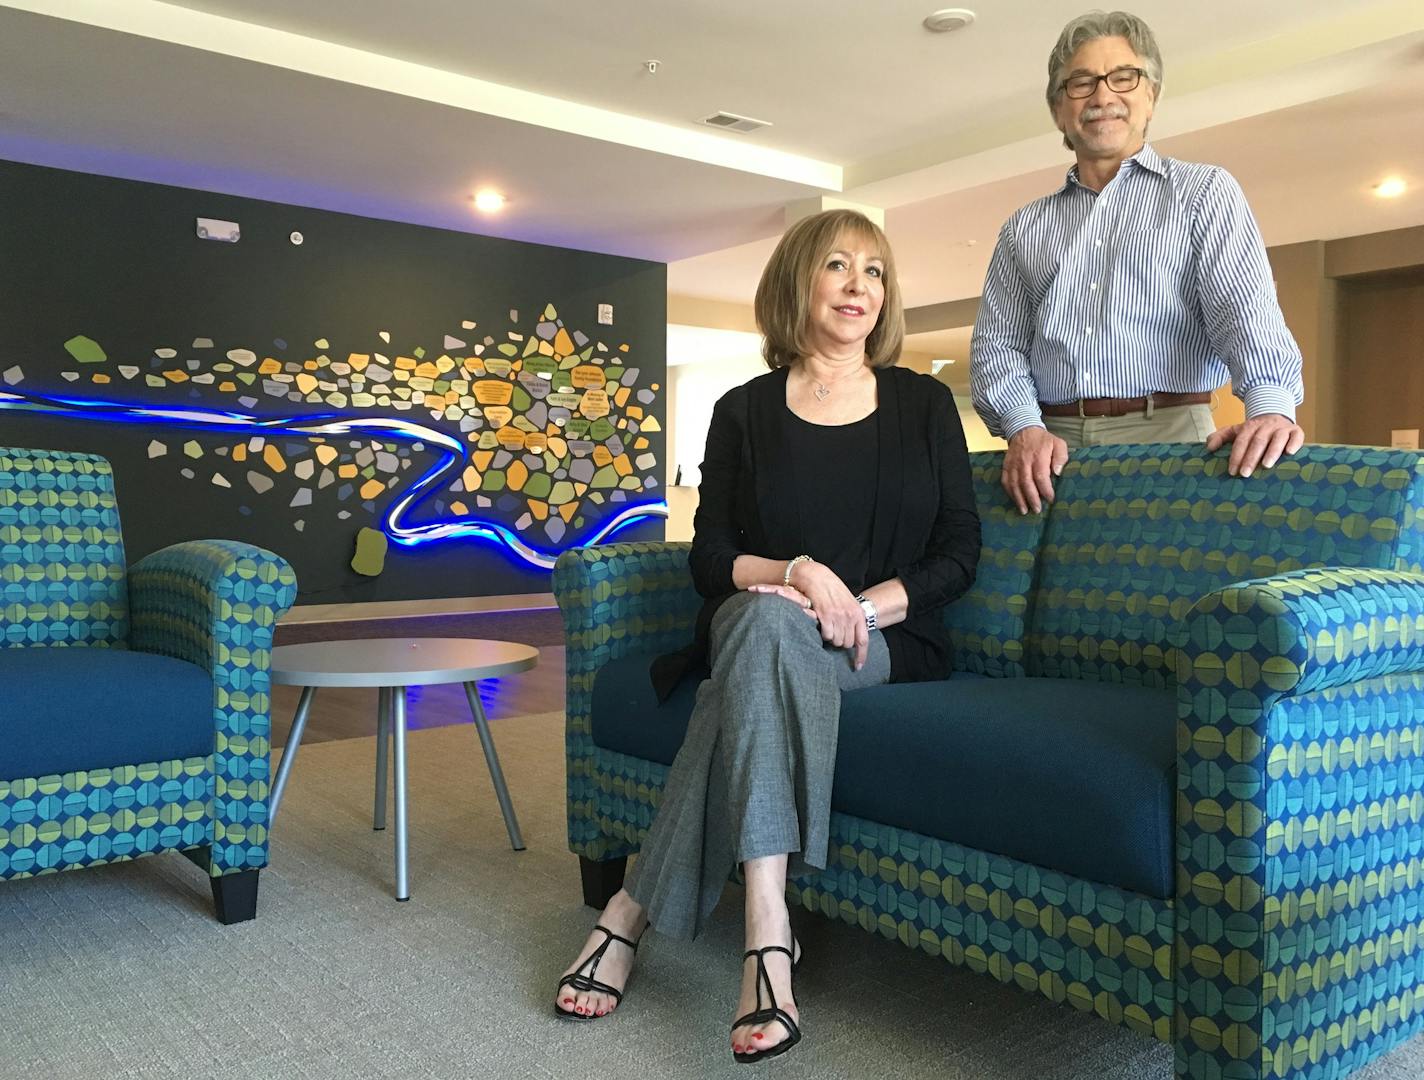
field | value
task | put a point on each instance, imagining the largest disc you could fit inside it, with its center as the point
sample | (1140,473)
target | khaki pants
(1181,423)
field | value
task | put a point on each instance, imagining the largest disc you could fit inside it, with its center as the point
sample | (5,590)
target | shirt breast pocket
(1154,261)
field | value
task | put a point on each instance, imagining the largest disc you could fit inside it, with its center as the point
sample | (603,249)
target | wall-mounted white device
(215,229)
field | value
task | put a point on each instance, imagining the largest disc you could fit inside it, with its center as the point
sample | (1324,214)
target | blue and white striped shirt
(1157,284)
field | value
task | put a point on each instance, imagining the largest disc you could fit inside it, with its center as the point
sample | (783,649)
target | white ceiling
(400,111)
(816,68)
(1307,171)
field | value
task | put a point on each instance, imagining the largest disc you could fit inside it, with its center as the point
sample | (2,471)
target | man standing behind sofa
(1114,306)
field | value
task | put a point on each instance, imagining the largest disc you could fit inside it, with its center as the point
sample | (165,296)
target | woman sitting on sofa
(835,520)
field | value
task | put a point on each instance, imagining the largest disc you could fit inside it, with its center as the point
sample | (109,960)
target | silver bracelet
(786,577)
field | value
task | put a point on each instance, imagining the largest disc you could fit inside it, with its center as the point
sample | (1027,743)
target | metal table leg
(289,753)
(383,746)
(402,869)
(501,791)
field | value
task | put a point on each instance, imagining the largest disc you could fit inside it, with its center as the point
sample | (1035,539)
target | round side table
(391,665)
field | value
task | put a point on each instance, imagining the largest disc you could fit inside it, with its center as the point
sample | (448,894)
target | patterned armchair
(134,704)
(1177,779)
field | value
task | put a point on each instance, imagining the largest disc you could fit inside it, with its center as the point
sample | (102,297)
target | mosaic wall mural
(400,411)
(540,438)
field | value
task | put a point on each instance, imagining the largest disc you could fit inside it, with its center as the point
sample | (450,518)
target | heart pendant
(822,392)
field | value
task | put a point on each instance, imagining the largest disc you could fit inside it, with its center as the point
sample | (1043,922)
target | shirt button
(1088,331)
(1094,286)
(1097,243)
(1086,379)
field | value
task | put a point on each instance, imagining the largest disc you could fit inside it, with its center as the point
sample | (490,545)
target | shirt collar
(1146,158)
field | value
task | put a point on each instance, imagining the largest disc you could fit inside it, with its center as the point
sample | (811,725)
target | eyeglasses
(1119,80)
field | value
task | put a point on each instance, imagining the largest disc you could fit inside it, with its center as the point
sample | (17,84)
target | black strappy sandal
(764,1014)
(584,981)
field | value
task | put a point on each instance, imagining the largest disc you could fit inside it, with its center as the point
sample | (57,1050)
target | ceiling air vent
(732,122)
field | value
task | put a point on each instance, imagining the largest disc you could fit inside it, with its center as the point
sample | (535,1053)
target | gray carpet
(122,972)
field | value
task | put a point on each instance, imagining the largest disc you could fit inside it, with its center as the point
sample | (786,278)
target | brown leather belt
(1122,406)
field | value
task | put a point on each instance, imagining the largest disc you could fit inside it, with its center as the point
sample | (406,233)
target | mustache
(1103,112)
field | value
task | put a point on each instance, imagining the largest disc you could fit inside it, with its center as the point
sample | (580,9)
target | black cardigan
(925,529)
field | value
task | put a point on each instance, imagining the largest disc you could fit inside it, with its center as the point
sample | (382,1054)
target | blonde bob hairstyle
(783,297)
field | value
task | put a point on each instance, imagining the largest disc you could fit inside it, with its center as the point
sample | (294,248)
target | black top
(924,528)
(837,474)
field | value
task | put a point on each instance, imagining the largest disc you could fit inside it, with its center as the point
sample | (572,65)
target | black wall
(119,262)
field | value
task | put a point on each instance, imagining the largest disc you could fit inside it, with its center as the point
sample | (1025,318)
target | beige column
(1309,301)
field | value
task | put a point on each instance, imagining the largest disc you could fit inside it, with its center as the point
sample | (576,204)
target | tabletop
(398,661)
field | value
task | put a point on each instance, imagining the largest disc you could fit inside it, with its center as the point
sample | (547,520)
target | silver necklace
(823,390)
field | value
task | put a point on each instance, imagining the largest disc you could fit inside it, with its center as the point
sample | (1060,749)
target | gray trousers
(753,777)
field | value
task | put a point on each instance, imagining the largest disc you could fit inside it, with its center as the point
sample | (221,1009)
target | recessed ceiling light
(1390,188)
(489,201)
(947,19)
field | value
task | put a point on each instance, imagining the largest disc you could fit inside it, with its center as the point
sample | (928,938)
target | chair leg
(235,896)
(601,880)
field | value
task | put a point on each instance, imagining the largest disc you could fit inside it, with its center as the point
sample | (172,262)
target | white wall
(976,435)
(695,388)
(698,386)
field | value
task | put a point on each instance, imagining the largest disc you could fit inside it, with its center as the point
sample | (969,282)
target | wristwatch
(867,606)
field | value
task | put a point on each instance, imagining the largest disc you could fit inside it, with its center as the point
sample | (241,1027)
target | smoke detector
(946,19)
(726,121)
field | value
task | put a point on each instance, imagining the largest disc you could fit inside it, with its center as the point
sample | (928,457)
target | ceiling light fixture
(1390,188)
(489,201)
(946,19)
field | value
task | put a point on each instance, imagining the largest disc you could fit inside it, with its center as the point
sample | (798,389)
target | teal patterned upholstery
(214,603)
(1300,822)
(988,625)
(1136,539)
(61,556)
(617,600)
(1287,612)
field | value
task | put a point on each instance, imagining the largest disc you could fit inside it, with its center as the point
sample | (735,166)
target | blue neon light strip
(453,455)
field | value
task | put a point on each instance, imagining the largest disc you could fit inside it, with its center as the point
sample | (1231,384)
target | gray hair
(1101,24)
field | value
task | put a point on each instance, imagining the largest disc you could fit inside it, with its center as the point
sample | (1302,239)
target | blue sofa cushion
(63,709)
(1071,776)
(627,716)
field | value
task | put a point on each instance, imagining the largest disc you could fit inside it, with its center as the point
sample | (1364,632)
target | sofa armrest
(215,603)
(1300,818)
(1304,631)
(617,600)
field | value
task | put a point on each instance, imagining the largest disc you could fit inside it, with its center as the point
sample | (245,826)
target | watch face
(867,607)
